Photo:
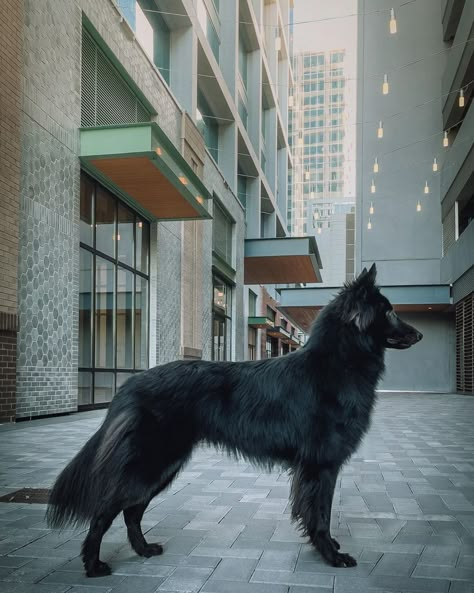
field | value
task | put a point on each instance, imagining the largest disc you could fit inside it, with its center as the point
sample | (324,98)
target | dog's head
(364,306)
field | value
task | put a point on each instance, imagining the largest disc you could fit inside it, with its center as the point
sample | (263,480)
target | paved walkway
(404,507)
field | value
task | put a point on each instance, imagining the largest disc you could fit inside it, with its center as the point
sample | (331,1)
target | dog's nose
(419,335)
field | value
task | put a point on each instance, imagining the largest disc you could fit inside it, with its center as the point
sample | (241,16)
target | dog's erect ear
(372,274)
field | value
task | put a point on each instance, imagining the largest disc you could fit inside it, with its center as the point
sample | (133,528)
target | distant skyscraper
(317,203)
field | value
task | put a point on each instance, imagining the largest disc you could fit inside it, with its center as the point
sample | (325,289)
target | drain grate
(28,495)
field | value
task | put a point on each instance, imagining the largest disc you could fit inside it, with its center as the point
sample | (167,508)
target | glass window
(124,318)
(86,209)
(113,295)
(125,242)
(105,206)
(221,320)
(222,234)
(104,313)
(141,323)
(252,344)
(86,282)
(252,304)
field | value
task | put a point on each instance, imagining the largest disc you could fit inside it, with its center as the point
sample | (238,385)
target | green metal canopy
(140,163)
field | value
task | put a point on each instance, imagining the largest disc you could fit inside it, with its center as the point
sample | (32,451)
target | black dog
(306,411)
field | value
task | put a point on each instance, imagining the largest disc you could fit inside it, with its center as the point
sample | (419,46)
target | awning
(302,305)
(286,260)
(260,322)
(279,332)
(139,163)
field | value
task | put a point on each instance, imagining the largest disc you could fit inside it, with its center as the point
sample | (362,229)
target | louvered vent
(465,345)
(106,99)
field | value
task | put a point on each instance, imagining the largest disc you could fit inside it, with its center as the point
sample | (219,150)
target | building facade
(145,140)
(317,199)
(399,194)
(457,181)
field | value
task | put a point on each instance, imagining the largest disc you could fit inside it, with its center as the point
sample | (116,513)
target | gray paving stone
(215,586)
(234,569)
(278,560)
(185,579)
(287,577)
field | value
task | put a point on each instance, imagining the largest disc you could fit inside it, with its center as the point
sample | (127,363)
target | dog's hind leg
(91,546)
(133,516)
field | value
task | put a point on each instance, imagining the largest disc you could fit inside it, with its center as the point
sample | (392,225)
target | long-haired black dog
(306,411)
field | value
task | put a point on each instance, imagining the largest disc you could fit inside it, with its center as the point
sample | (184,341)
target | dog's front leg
(312,494)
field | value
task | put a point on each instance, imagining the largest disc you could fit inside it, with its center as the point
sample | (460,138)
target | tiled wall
(11,18)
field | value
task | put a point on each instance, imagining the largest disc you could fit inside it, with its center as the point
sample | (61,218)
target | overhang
(286,260)
(139,163)
(279,332)
(301,305)
(260,322)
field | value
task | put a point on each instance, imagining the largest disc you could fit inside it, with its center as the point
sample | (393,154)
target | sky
(339,31)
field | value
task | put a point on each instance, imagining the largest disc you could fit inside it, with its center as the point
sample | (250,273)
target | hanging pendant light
(372,187)
(393,22)
(371,209)
(461,98)
(446,140)
(435,165)
(369,225)
(306,175)
(376,165)
(385,86)
(380,130)
(427,188)
(418,206)
(277,41)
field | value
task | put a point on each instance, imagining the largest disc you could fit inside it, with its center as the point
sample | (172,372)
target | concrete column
(183,65)
(252,210)
(228,51)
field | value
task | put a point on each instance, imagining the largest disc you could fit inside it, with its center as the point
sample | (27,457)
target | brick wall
(11,19)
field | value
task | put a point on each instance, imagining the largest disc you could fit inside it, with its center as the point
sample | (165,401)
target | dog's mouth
(405,342)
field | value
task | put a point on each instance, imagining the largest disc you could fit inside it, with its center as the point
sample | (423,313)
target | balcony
(140,164)
(287,260)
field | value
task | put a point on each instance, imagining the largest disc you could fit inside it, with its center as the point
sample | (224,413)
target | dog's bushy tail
(93,474)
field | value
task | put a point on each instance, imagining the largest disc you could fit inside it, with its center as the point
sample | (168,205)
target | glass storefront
(113,293)
(221,320)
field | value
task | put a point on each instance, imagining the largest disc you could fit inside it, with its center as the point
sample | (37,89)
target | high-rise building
(317,197)
(146,158)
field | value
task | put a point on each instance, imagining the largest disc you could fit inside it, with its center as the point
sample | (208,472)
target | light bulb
(393,22)
(371,209)
(461,98)
(446,140)
(418,206)
(380,130)
(316,215)
(427,188)
(435,164)
(369,225)
(372,187)
(319,230)
(385,87)
(376,165)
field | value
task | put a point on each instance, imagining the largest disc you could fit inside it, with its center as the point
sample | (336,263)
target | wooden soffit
(282,261)
(139,163)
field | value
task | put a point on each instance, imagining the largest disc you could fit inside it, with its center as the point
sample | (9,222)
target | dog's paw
(98,569)
(151,550)
(335,543)
(343,560)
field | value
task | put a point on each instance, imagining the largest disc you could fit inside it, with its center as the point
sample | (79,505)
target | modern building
(143,157)
(415,185)
(317,199)
(457,180)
